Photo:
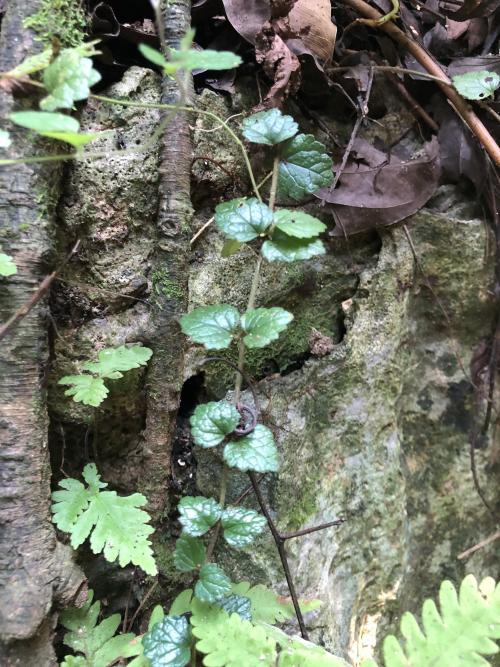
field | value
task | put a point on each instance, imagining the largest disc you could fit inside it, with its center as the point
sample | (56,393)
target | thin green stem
(255,283)
(144,105)
(222,502)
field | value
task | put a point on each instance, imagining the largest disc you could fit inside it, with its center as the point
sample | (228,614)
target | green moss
(63,19)
(164,285)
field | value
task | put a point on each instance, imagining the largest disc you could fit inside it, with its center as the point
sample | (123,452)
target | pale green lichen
(58,19)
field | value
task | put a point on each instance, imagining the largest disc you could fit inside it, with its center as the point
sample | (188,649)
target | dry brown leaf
(312,20)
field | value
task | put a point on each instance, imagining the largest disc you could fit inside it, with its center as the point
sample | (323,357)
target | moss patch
(63,19)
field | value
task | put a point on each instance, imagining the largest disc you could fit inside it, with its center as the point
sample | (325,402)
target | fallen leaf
(311,19)
(280,65)
(376,189)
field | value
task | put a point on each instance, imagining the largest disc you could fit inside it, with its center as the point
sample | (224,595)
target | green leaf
(298,224)
(284,248)
(191,59)
(53,125)
(43,121)
(198,514)
(241,526)
(85,389)
(5,140)
(263,325)
(32,64)
(115,524)
(68,80)
(7,265)
(153,55)
(97,642)
(266,606)
(229,248)
(205,59)
(305,167)
(112,361)
(211,422)
(237,604)
(168,644)
(189,553)
(297,652)
(230,641)
(464,630)
(476,85)
(157,615)
(255,451)
(269,127)
(182,603)
(213,584)
(213,326)
(243,219)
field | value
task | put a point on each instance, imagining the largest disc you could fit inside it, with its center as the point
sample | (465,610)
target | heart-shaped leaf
(85,389)
(269,127)
(68,79)
(198,514)
(211,422)
(243,220)
(213,326)
(298,224)
(237,604)
(255,451)
(241,526)
(263,325)
(168,644)
(305,167)
(476,85)
(7,265)
(189,553)
(284,248)
(213,583)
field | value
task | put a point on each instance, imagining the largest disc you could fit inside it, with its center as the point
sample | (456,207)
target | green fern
(112,363)
(115,523)
(98,644)
(464,631)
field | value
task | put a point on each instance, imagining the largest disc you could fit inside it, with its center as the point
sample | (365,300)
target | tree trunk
(37,573)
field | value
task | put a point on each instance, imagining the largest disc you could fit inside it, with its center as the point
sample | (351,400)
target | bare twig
(459,104)
(280,546)
(141,605)
(479,545)
(35,298)
(313,529)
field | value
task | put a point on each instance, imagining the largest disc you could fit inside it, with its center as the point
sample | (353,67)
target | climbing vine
(215,620)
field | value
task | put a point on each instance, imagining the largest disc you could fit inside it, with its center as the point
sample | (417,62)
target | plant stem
(142,105)
(222,502)
(255,283)
(280,545)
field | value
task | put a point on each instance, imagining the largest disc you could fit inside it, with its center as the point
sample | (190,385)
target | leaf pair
(216,326)
(188,59)
(305,166)
(214,421)
(91,389)
(115,524)
(199,514)
(292,234)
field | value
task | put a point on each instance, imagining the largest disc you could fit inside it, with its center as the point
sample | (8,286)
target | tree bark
(36,572)
(165,371)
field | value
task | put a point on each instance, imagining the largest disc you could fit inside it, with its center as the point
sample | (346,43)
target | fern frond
(115,524)
(98,643)
(458,636)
